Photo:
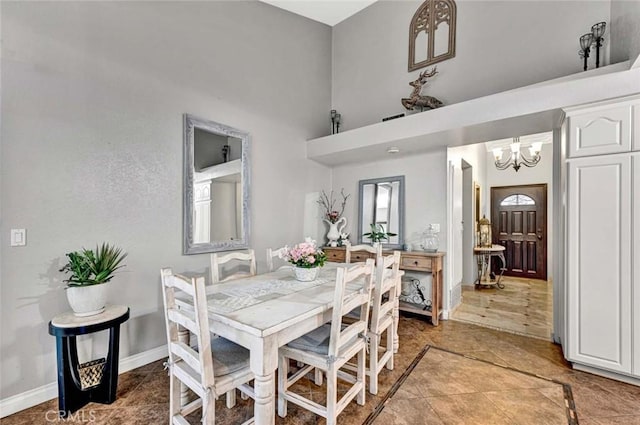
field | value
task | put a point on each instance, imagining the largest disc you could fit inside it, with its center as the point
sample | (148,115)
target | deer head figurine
(416,100)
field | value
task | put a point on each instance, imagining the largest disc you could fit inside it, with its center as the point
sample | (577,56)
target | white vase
(87,300)
(304,274)
(335,230)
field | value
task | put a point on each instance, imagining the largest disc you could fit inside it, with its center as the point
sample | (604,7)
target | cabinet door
(599,253)
(602,131)
(636,261)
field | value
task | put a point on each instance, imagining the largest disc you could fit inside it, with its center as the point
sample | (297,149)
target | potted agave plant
(89,272)
(377,234)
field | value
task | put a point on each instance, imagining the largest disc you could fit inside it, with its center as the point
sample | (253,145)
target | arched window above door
(517,199)
(432,34)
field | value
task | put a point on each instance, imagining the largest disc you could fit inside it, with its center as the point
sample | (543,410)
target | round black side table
(73,393)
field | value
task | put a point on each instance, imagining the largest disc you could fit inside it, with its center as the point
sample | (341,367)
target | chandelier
(517,158)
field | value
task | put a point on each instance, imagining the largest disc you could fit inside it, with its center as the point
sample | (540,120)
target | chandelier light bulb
(497,153)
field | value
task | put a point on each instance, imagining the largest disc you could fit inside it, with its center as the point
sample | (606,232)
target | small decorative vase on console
(335,230)
(306,274)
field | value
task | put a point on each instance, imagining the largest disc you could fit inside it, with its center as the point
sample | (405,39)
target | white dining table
(266,311)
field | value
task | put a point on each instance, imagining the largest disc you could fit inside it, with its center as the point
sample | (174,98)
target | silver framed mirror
(216,182)
(381,202)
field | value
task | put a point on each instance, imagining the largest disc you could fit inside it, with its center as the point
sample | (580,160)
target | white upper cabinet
(595,133)
(603,128)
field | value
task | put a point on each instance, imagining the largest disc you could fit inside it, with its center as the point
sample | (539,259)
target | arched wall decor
(430,16)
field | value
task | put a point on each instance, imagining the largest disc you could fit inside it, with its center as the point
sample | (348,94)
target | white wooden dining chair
(217,260)
(330,347)
(211,366)
(350,249)
(273,253)
(383,302)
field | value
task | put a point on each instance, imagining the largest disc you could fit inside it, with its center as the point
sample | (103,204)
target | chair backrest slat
(350,249)
(342,304)
(182,319)
(219,259)
(186,353)
(181,283)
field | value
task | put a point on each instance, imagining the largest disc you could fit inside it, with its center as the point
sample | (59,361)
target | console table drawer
(360,256)
(335,255)
(415,263)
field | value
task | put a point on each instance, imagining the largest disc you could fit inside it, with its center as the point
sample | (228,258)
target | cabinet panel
(635,129)
(599,285)
(600,132)
(636,263)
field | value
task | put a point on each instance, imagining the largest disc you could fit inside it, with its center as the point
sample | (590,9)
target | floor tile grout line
(570,407)
(396,386)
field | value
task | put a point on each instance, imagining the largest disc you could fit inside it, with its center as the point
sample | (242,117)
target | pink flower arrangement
(305,254)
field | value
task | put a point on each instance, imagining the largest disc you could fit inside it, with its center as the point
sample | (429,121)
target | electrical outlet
(435,227)
(18,237)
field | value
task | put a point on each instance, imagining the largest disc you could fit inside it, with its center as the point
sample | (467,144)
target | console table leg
(109,385)
(70,398)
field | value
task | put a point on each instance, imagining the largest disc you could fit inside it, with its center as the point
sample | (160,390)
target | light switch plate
(18,237)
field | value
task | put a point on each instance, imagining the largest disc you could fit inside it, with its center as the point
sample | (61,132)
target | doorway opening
(519,206)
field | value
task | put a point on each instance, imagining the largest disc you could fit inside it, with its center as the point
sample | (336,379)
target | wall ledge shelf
(532,109)
(220,170)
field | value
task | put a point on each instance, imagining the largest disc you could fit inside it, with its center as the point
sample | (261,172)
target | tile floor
(442,389)
(524,306)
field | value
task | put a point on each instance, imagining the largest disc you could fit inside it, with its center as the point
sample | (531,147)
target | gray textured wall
(500,45)
(625,30)
(92,104)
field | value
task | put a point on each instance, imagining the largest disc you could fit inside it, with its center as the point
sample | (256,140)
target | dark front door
(519,223)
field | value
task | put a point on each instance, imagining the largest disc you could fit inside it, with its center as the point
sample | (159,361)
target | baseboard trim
(607,374)
(18,402)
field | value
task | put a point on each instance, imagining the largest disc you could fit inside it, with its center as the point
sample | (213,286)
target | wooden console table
(417,261)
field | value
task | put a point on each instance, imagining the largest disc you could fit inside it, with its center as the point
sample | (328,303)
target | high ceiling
(328,12)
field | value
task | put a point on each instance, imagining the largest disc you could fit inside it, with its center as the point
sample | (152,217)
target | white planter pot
(87,300)
(306,275)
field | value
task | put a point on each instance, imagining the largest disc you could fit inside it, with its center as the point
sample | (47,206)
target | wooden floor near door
(524,306)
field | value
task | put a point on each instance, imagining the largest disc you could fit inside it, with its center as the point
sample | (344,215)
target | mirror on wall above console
(381,202)
(216,210)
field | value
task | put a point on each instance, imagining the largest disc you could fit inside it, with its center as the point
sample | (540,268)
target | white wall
(625,31)
(460,256)
(541,173)
(500,45)
(92,104)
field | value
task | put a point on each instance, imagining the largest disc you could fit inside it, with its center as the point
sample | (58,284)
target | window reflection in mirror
(216,187)
(382,203)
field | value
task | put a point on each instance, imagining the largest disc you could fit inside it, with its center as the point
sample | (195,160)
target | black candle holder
(335,121)
(598,31)
(585,47)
